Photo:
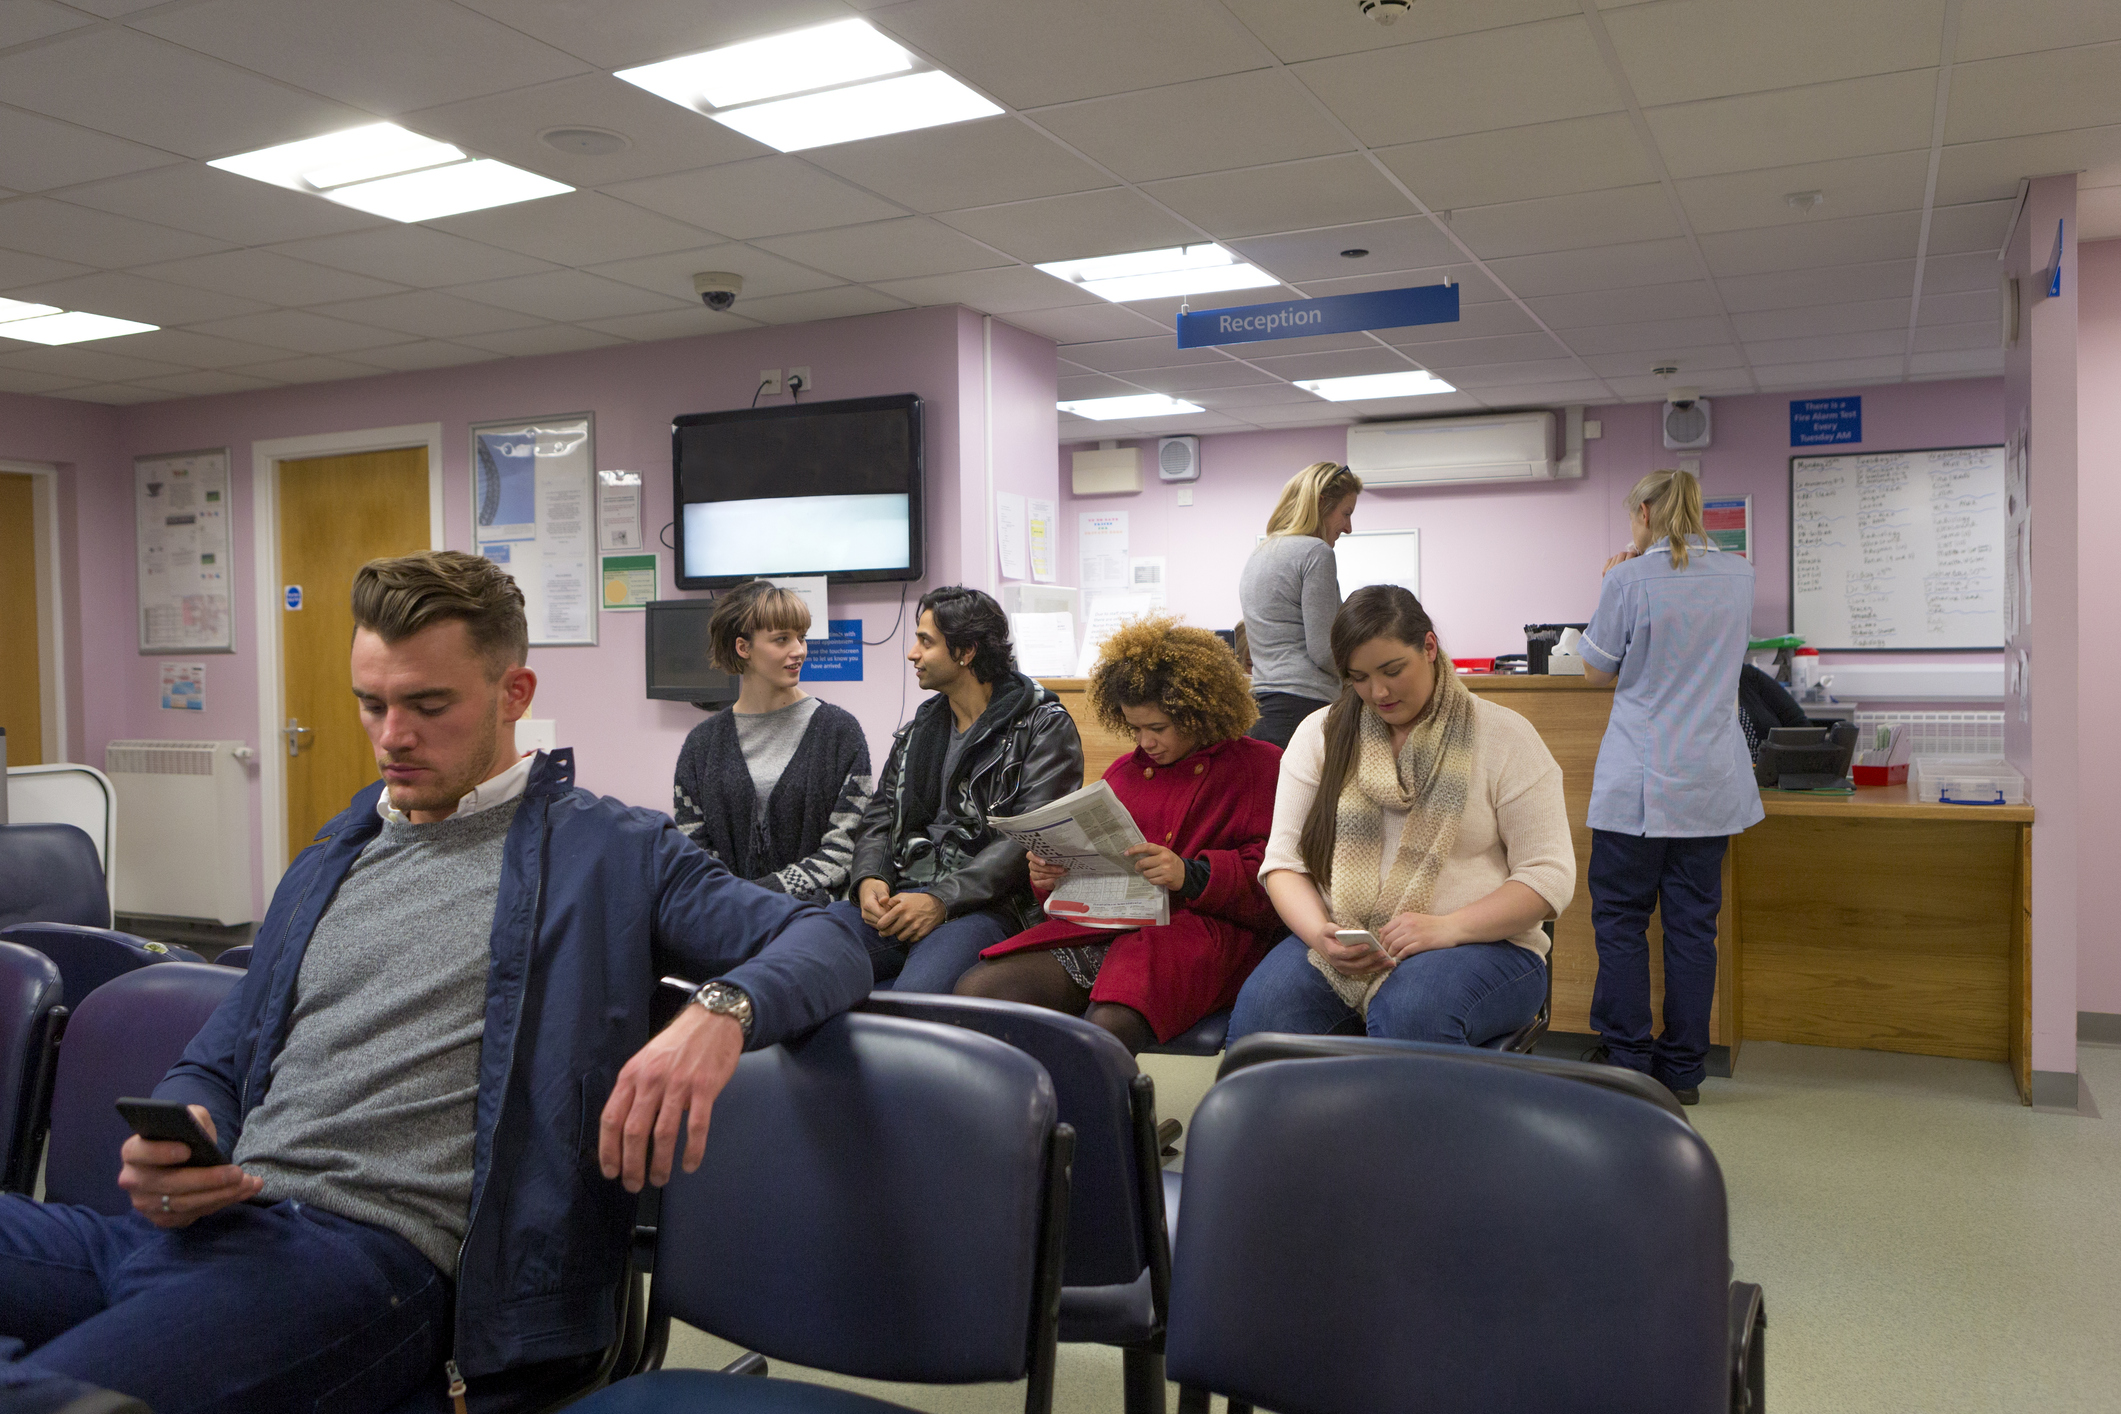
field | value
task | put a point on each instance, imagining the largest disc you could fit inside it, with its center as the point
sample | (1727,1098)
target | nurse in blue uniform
(1674,781)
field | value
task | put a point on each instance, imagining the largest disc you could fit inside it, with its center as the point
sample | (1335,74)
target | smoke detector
(1385,12)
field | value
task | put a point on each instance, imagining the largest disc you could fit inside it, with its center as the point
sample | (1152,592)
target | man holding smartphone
(436,1086)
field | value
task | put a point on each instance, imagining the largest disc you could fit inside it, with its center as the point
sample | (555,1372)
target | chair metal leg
(1142,1370)
(1748,1330)
(1191,1400)
(749,1363)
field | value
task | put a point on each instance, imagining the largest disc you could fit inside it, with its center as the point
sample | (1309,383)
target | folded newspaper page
(1089,831)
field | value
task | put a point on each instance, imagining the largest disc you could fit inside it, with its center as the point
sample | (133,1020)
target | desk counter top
(1888,803)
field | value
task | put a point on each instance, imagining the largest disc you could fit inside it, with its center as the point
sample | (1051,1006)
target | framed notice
(180,524)
(534,513)
(1729,522)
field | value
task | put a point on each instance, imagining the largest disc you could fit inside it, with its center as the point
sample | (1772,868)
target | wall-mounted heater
(183,828)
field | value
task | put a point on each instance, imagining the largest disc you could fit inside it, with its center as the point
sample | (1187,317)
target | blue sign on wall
(294,596)
(838,658)
(1334,314)
(1816,422)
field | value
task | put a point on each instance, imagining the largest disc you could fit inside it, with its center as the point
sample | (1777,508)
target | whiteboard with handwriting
(1898,550)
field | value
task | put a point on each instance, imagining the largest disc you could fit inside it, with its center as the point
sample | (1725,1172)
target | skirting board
(2099,1027)
(2062,1092)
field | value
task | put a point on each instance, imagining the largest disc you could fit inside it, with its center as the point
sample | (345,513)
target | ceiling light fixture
(1160,274)
(1132,405)
(832,83)
(386,171)
(72,327)
(22,309)
(1414,383)
(447,191)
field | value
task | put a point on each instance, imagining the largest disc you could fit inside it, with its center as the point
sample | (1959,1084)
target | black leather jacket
(1022,756)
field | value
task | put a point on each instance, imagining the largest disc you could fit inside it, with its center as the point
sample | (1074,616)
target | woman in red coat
(1203,794)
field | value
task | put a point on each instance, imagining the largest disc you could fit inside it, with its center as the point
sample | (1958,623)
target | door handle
(295,731)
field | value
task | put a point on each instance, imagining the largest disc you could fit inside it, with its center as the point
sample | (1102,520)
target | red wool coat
(1218,805)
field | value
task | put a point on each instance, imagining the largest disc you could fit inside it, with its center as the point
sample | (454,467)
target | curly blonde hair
(1189,672)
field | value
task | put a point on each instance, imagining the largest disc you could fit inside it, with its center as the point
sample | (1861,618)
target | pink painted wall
(2099,681)
(1027,454)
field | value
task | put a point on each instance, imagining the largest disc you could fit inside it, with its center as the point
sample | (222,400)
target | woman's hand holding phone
(1352,951)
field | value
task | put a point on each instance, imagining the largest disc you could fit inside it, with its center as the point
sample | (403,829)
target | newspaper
(1089,831)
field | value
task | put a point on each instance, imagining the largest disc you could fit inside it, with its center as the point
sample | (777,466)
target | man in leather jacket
(933,884)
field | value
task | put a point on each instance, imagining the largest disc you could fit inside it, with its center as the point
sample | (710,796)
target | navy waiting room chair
(885,1199)
(51,873)
(1428,1228)
(90,956)
(1117,1277)
(30,1021)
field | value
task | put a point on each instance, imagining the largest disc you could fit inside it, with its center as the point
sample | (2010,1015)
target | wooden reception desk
(1870,921)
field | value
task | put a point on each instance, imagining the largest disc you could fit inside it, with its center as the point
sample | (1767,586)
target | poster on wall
(1729,522)
(534,513)
(180,526)
(1044,529)
(184,687)
(1101,544)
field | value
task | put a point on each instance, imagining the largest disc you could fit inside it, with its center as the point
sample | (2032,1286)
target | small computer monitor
(680,668)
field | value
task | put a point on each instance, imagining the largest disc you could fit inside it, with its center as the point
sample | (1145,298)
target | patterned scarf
(1429,779)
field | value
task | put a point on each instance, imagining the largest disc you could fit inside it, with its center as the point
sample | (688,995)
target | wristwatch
(725,1000)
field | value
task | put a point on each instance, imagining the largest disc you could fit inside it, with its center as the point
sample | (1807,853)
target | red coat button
(1147,772)
(1198,769)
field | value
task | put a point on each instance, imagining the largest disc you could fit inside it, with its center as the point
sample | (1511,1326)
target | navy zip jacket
(597,899)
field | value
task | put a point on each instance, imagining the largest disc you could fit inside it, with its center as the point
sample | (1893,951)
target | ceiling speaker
(1686,422)
(1178,458)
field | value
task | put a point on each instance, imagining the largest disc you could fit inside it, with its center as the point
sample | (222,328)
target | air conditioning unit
(1458,451)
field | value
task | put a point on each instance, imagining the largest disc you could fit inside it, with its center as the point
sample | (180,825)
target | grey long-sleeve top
(1290,591)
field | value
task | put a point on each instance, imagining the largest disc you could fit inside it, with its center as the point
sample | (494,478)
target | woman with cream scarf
(1425,816)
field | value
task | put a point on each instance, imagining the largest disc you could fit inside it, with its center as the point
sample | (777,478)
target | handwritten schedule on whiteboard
(1898,550)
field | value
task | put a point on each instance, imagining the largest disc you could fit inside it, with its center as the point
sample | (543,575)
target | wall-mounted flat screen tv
(814,488)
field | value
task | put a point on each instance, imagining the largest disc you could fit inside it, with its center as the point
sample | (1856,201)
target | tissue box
(1564,665)
(1883,760)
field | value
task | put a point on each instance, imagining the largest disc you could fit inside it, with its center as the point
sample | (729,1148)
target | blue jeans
(935,962)
(1683,880)
(249,1308)
(1458,996)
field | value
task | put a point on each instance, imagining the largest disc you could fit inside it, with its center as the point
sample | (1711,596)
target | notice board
(180,526)
(1898,550)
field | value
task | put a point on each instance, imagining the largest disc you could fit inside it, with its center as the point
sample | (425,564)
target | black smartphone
(169,1121)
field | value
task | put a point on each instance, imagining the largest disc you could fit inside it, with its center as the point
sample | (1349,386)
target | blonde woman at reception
(1290,591)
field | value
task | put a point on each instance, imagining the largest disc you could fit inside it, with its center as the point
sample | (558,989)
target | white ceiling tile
(1988,28)
(1029,52)
(1319,191)
(116,394)
(580,228)
(890,250)
(671,274)
(311,370)
(1791,377)
(1073,227)
(1151,351)
(304,332)
(1959,307)
(42,226)
(1959,363)
(18,268)
(1464,353)
(1976,270)
(1528,371)
(839,302)
(1082,322)
(1855,186)
(387,56)
(1699,358)
(1817,123)
(565,295)
(99,363)
(23,380)
(24,20)
(1003,291)
(614,36)
(1519,163)
(1680,299)
(662,137)
(135,86)
(196,351)
(545,339)
(1690,49)
(1560,393)
(2099,213)
(763,197)
(194,197)
(428,353)
(412,255)
(1596,218)
(1942,338)
(1190,377)
(1331,365)
(1815,320)
(430,314)
(1710,382)
(671,324)
(206,383)
(1989,171)
(1648,335)
(1469,83)
(1792,289)
(1093,385)
(1604,268)
(1854,241)
(2047,92)
(1312,29)
(1314,412)
(1208,125)
(269,276)
(115,9)
(965,164)
(1403,243)
(124,296)
(1473,286)
(37,153)
(1975,226)
(1251,395)
(1186,425)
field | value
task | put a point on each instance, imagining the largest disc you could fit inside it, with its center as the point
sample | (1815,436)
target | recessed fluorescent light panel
(1412,384)
(386,171)
(1160,274)
(21,309)
(812,87)
(69,328)
(1133,405)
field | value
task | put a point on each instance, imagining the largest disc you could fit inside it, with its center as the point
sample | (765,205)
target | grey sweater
(371,1112)
(1290,591)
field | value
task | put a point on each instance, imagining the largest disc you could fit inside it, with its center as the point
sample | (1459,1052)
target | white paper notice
(180,507)
(1045,518)
(1101,540)
(1045,644)
(619,510)
(1009,535)
(810,588)
(565,535)
(534,507)
(1103,618)
(1145,575)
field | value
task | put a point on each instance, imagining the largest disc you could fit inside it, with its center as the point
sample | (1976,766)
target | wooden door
(336,514)
(21,686)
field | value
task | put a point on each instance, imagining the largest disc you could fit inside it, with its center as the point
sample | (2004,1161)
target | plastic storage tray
(1967,780)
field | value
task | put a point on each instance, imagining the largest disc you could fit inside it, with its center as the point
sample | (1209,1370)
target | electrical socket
(800,378)
(769,384)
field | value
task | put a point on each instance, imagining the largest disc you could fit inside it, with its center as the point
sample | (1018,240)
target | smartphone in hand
(1361,938)
(170,1122)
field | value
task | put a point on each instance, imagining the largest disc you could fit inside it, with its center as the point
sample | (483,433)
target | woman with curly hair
(1203,794)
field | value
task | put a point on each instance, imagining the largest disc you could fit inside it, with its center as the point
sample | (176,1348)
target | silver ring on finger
(165,1202)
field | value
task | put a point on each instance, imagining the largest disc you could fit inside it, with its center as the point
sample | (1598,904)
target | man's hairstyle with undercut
(397,598)
(967,618)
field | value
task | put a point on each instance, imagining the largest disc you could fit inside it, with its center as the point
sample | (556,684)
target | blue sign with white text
(1334,314)
(838,658)
(1816,422)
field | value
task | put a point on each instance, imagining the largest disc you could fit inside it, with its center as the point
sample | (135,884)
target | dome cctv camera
(1385,12)
(717,289)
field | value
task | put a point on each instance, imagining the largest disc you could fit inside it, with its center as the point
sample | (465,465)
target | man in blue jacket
(436,1084)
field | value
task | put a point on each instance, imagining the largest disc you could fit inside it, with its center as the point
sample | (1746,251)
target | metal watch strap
(725,999)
